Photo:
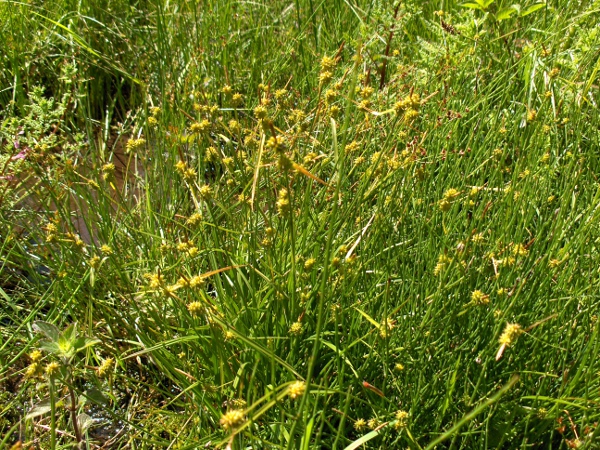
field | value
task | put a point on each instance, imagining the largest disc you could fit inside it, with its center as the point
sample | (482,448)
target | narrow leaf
(84,342)
(474,413)
(369,318)
(366,438)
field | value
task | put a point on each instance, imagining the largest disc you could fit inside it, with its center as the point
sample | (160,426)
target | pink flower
(21,155)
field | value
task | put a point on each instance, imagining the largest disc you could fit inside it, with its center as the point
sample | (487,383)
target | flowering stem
(330,237)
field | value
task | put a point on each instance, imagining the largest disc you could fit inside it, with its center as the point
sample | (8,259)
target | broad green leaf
(532,8)
(505,13)
(40,409)
(486,3)
(50,347)
(95,396)
(47,329)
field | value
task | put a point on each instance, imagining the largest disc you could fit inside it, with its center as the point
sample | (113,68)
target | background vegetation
(299,224)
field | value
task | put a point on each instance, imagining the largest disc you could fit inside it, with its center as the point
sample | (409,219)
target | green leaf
(532,8)
(84,342)
(505,13)
(95,396)
(307,435)
(70,333)
(51,347)
(472,6)
(40,409)
(366,438)
(65,347)
(47,329)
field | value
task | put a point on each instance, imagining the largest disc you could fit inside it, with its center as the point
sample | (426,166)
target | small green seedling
(62,347)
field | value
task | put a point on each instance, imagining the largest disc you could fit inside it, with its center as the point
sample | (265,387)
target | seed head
(451,194)
(325,77)
(478,298)
(280,94)
(197,281)
(360,424)
(327,64)
(106,250)
(401,419)
(108,168)
(206,192)
(520,250)
(35,356)
(296,328)
(235,126)
(309,264)
(105,367)
(477,238)
(190,174)
(233,419)
(510,334)
(283,201)
(386,327)
(155,280)
(330,95)
(260,112)
(134,144)
(33,370)
(94,262)
(200,127)
(195,308)
(297,389)
(194,219)
(373,423)
(237,99)
(211,154)
(52,369)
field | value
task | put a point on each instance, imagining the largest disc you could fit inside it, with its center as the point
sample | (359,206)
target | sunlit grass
(299,225)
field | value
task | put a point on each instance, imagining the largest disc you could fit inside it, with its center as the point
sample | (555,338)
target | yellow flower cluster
(296,389)
(233,419)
